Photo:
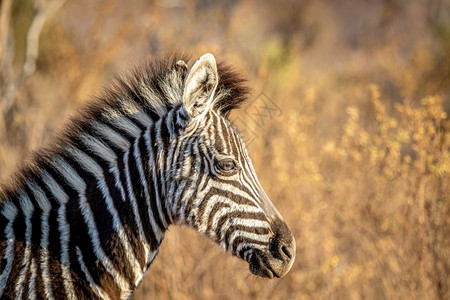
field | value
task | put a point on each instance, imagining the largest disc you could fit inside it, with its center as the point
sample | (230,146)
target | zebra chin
(277,258)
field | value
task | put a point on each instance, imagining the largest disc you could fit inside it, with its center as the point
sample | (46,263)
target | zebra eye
(226,166)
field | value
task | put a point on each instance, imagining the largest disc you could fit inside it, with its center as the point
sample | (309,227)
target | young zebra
(86,218)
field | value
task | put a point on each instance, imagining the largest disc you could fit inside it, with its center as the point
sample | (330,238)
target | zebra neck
(101,204)
(123,163)
(138,151)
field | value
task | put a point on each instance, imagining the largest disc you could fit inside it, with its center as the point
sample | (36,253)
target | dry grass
(356,154)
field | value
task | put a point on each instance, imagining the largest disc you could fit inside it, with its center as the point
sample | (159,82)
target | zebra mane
(232,89)
(158,85)
(151,89)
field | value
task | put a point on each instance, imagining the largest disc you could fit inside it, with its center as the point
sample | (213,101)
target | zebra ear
(200,85)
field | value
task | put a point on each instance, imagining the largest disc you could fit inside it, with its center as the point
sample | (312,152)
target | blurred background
(347,125)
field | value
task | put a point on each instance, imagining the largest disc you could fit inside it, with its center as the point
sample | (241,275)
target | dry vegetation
(355,156)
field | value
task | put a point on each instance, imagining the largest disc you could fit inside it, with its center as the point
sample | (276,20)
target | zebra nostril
(286,252)
(280,250)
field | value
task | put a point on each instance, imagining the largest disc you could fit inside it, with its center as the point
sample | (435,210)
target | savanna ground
(351,142)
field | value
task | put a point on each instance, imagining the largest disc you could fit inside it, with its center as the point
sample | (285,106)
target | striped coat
(85,218)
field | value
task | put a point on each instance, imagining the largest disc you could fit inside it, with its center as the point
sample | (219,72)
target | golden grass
(356,155)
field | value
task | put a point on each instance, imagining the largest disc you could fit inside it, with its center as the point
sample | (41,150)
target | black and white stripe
(87,217)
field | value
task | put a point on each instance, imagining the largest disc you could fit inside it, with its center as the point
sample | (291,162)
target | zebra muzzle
(278,258)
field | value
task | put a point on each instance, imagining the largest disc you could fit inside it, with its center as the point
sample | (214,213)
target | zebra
(85,218)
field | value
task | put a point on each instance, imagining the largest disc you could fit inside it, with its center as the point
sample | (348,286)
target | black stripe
(138,191)
(124,208)
(255,230)
(181,113)
(218,141)
(148,230)
(195,186)
(237,214)
(125,134)
(165,141)
(153,186)
(240,240)
(217,206)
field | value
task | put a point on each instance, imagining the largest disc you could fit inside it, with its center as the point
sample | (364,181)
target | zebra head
(214,186)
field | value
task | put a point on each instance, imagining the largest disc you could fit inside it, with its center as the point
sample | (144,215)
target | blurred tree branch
(6,58)
(5,19)
(10,81)
(44,10)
